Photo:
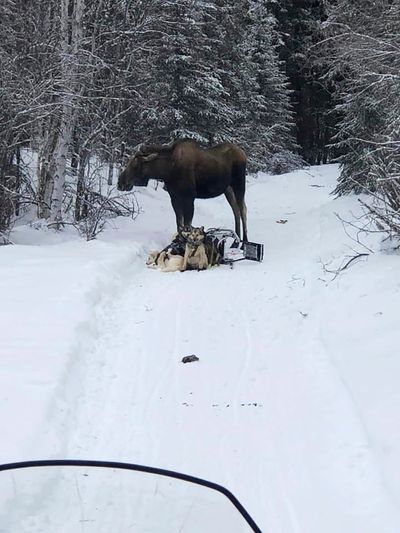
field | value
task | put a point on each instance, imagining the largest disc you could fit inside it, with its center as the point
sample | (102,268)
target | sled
(232,249)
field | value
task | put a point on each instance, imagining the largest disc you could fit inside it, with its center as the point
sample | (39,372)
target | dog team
(190,249)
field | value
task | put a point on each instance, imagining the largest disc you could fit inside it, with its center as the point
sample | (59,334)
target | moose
(189,172)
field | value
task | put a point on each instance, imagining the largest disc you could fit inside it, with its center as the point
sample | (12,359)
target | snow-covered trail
(266,410)
(294,402)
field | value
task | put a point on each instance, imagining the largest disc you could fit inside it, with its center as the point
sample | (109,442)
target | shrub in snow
(384,209)
(16,194)
(99,209)
(283,162)
(6,208)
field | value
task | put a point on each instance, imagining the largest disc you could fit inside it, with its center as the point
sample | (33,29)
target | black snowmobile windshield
(100,497)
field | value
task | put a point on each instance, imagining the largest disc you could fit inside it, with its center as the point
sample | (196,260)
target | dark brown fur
(191,172)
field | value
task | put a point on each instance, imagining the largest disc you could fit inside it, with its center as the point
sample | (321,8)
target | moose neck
(159,169)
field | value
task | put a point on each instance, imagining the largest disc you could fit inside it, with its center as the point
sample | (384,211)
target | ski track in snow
(266,411)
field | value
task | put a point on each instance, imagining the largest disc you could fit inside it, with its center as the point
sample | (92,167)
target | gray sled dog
(195,257)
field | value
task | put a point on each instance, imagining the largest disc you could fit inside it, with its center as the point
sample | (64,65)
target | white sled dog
(165,261)
(171,258)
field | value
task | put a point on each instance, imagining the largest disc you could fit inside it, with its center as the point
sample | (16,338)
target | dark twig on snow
(343,267)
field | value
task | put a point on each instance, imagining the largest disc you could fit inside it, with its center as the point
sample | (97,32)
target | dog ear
(202,228)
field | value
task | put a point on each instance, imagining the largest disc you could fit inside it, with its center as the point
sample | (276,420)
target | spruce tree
(217,77)
(366,44)
(300,28)
(188,97)
(267,96)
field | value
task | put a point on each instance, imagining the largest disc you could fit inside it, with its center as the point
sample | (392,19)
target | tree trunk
(71,37)
(110,170)
(80,187)
(45,185)
(17,180)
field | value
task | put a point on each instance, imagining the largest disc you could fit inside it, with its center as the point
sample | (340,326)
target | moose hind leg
(239,189)
(230,196)
(243,213)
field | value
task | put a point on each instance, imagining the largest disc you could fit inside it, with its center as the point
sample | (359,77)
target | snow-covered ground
(294,404)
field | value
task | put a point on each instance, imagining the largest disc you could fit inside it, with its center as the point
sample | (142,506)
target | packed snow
(294,403)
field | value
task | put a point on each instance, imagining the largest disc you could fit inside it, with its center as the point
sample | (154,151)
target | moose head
(137,172)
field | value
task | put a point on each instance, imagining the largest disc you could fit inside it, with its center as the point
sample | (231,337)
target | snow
(294,403)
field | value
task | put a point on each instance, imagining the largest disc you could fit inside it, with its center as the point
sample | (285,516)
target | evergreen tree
(188,98)
(300,28)
(366,44)
(266,98)
(219,77)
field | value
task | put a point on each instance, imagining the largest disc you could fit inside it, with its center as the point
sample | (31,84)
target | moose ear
(148,158)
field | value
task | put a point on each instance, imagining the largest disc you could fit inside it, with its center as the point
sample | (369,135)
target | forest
(83,83)
(199,265)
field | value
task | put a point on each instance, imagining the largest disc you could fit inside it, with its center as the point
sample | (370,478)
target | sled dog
(195,257)
(171,258)
(189,250)
(165,261)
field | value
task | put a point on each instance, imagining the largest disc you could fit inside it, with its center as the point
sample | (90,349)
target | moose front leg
(177,205)
(188,210)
